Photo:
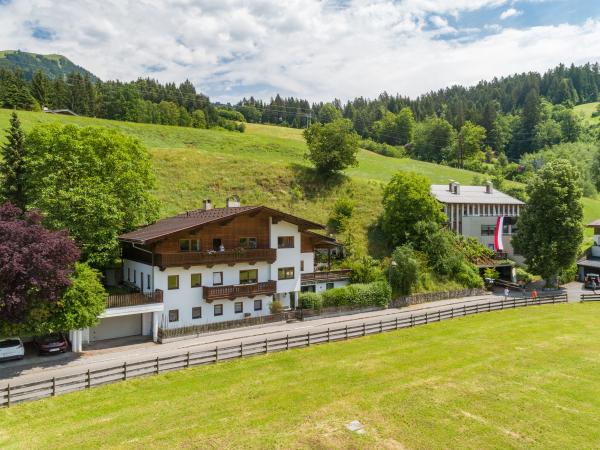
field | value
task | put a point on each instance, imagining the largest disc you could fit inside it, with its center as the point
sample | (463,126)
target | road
(43,368)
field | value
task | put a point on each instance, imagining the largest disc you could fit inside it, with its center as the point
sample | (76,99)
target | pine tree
(12,171)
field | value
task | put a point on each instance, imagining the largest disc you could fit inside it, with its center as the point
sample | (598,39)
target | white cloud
(308,48)
(510,12)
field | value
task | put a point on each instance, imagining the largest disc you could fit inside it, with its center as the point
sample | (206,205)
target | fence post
(346,331)
(125,370)
(452,313)
(266,345)
(381,326)
(187,361)
(477,308)
(426,318)
(157,365)
(412,321)
(8,395)
(396,322)
(328,335)
(489,306)
(464,309)
(216,354)
(308,338)
(439,315)
(287,342)
(364,329)
(89,380)
(53,386)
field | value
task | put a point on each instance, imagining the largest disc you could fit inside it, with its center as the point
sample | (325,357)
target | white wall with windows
(285,237)
(182,293)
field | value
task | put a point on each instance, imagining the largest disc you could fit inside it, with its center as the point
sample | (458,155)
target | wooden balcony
(231,257)
(241,290)
(333,275)
(134,299)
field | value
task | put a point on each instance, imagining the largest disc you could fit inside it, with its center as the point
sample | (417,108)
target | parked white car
(11,348)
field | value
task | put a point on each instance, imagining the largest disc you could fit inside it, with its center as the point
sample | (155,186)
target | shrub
(365,269)
(276,307)
(384,149)
(337,297)
(492,273)
(404,275)
(342,212)
(310,300)
(468,276)
(523,276)
(567,275)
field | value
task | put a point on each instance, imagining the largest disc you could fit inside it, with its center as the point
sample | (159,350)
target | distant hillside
(54,66)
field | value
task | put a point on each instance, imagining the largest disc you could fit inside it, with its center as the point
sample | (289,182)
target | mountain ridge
(53,65)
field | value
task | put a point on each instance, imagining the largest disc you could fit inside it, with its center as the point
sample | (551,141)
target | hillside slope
(264,165)
(54,66)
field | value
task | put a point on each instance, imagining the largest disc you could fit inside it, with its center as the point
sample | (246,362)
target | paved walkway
(56,366)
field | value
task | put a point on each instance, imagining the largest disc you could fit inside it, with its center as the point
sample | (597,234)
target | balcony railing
(134,299)
(242,290)
(250,255)
(333,275)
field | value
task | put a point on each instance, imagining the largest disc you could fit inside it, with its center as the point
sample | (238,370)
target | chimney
(233,201)
(489,187)
(456,188)
(451,186)
(207,203)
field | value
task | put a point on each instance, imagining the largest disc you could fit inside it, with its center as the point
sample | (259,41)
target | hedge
(378,293)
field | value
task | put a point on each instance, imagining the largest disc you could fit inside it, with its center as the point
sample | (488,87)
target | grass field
(525,378)
(265,165)
(587,109)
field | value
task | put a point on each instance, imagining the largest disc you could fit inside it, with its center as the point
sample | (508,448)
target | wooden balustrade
(333,275)
(241,290)
(134,299)
(250,255)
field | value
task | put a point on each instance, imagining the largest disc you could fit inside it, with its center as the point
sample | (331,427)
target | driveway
(131,351)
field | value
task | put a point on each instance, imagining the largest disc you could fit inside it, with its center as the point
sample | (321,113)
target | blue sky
(315,49)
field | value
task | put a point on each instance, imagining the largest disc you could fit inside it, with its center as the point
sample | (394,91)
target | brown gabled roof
(595,223)
(192,219)
(322,240)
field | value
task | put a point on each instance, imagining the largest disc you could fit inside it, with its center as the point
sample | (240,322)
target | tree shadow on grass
(377,244)
(314,184)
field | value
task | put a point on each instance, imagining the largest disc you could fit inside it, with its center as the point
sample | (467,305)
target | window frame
(169,277)
(215,310)
(247,244)
(286,271)
(195,309)
(176,313)
(250,280)
(192,285)
(181,249)
(490,230)
(284,242)
(259,302)
(213,279)
(235,307)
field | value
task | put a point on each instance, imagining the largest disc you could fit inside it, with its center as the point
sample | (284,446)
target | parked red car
(49,345)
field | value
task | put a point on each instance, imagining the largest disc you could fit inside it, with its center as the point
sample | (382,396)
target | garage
(117,327)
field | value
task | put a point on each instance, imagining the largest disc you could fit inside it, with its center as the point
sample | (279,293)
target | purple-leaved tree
(35,264)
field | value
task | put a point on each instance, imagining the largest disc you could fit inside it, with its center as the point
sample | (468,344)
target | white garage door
(116,327)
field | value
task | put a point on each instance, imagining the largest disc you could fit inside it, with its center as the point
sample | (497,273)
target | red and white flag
(498,246)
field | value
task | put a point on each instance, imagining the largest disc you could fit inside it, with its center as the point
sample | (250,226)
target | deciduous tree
(332,147)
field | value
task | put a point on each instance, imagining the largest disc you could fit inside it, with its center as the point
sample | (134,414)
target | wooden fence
(17,393)
(427,297)
(590,297)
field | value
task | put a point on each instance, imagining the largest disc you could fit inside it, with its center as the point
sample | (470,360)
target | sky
(318,50)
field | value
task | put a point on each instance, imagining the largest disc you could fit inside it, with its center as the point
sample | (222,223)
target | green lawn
(587,109)
(264,165)
(525,378)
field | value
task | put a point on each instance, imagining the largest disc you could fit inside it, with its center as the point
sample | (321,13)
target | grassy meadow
(264,165)
(587,109)
(525,378)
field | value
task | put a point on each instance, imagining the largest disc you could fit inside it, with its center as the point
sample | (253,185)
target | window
(217,244)
(239,307)
(128,274)
(186,245)
(218,310)
(173,315)
(310,288)
(328,286)
(248,242)
(248,276)
(196,312)
(173,282)
(148,284)
(488,230)
(257,305)
(301,265)
(217,278)
(134,276)
(196,280)
(285,242)
(285,273)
